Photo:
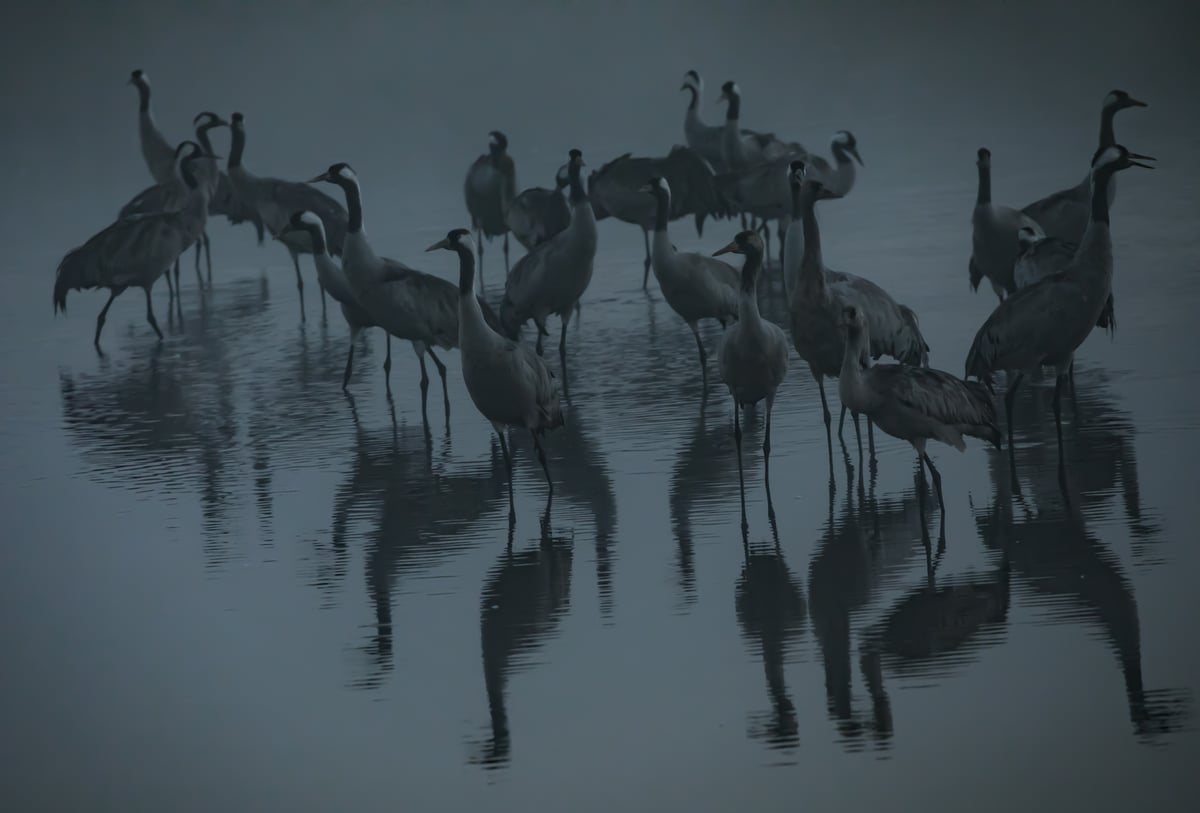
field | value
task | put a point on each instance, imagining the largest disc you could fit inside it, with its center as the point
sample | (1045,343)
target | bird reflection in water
(581,477)
(1072,575)
(771,613)
(524,599)
(860,551)
(163,419)
(418,518)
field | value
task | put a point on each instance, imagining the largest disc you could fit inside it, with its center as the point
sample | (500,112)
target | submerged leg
(857,431)
(508,464)
(766,447)
(1058,382)
(703,355)
(299,282)
(1010,397)
(150,313)
(170,290)
(441,368)
(387,365)
(871,438)
(937,484)
(646,266)
(207,257)
(199,249)
(104,315)
(541,456)
(507,268)
(177,289)
(354,331)
(737,440)
(420,351)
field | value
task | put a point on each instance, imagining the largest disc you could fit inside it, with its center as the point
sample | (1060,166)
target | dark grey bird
(616,187)
(157,150)
(994,228)
(411,305)
(753,356)
(537,214)
(837,178)
(333,280)
(740,150)
(1043,324)
(135,251)
(553,277)
(1041,257)
(1065,213)
(275,201)
(911,403)
(490,188)
(694,285)
(818,299)
(705,139)
(509,384)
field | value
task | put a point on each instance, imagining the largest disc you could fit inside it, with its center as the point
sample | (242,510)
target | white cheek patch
(664,186)
(493,141)
(841,137)
(1111,99)
(347,174)
(311,219)
(737,91)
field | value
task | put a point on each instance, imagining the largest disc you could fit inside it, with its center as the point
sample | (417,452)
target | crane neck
(734,110)
(662,210)
(317,235)
(143,90)
(856,343)
(575,181)
(748,300)
(204,141)
(695,100)
(466,271)
(1100,183)
(189,177)
(811,263)
(796,204)
(1107,136)
(236,146)
(354,212)
(984,196)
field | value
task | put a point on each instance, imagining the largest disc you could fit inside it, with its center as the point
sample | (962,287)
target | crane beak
(732,248)
(1132,102)
(443,243)
(1135,163)
(324,176)
(854,152)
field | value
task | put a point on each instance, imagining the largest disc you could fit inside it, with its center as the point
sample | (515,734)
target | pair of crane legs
(764,228)
(422,350)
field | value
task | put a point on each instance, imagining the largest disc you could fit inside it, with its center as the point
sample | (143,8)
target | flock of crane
(1050,265)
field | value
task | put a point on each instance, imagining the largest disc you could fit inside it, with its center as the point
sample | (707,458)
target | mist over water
(226,585)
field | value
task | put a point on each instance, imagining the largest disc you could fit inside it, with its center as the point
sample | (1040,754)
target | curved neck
(237,144)
(189,177)
(317,235)
(1100,195)
(840,155)
(143,97)
(796,205)
(734,110)
(203,139)
(812,236)
(662,210)
(466,270)
(1107,137)
(578,190)
(695,101)
(985,185)
(856,339)
(495,153)
(748,301)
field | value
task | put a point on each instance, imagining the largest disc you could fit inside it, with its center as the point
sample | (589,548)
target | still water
(226,585)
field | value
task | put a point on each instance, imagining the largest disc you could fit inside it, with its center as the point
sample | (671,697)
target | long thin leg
(387,365)
(199,250)
(321,287)
(541,455)
(937,484)
(737,439)
(703,355)
(103,316)
(842,421)
(1010,398)
(1074,396)
(508,464)
(177,289)
(924,487)
(479,248)
(441,368)
(871,438)
(354,331)
(507,268)
(541,331)
(766,447)
(857,435)
(828,421)
(150,313)
(299,282)
(646,267)
(207,256)
(170,290)
(766,230)
(1058,382)
(420,350)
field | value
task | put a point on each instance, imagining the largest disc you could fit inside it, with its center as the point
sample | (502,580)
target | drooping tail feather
(917,351)
(74,272)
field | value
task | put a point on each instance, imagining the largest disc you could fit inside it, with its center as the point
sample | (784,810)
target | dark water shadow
(771,612)
(525,597)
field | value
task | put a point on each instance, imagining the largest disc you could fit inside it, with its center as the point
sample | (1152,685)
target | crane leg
(441,368)
(508,464)
(703,355)
(177,290)
(871,438)
(541,456)
(766,232)
(199,250)
(767,453)
(737,440)
(825,410)
(387,364)
(170,290)
(420,350)
(1010,397)
(1058,382)
(150,313)
(781,233)
(479,248)
(937,484)
(541,331)
(842,421)
(321,286)
(207,256)
(507,267)
(299,282)
(857,432)
(104,315)
(354,331)
(646,265)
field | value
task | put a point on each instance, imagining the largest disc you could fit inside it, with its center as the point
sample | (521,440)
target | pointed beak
(324,176)
(1136,103)
(1138,163)
(854,152)
(684,86)
(732,248)
(443,243)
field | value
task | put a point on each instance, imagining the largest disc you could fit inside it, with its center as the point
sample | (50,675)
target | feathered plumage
(537,214)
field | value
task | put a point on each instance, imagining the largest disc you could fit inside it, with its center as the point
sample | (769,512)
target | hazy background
(224,586)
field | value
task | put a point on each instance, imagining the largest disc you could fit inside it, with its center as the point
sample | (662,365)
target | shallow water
(226,585)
